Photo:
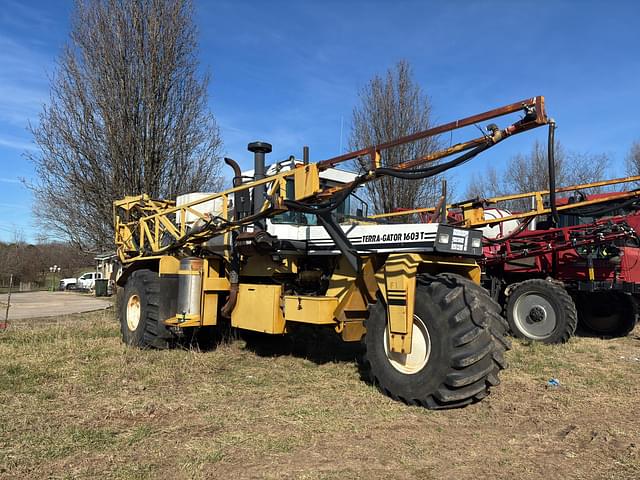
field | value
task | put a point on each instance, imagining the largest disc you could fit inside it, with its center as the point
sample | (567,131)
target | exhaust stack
(259,150)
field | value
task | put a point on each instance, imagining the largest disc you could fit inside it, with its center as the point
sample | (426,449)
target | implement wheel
(542,311)
(610,314)
(139,314)
(452,361)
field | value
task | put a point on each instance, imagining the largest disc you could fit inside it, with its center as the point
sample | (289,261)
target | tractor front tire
(541,311)
(140,324)
(451,363)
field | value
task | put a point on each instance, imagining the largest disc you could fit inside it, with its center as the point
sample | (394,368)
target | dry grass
(76,403)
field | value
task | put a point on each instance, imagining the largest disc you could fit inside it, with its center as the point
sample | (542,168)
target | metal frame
(546,242)
(146,228)
(470,208)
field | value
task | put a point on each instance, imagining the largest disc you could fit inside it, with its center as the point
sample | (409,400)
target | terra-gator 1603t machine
(269,254)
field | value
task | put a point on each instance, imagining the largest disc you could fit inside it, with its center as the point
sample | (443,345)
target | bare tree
(127,115)
(633,159)
(389,108)
(530,172)
(484,185)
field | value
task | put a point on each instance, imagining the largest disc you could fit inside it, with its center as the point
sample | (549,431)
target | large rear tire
(140,324)
(452,361)
(542,311)
(610,314)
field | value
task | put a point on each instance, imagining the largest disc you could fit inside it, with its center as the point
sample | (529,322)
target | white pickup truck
(86,281)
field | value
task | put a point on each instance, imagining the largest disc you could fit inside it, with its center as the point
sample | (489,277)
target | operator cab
(354,207)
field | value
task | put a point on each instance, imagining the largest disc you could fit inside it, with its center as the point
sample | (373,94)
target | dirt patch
(76,403)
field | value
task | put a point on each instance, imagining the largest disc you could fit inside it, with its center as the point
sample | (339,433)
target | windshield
(353,207)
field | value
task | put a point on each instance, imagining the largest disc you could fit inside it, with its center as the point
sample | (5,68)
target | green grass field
(76,403)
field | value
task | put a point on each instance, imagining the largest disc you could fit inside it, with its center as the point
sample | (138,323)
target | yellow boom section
(145,227)
(473,210)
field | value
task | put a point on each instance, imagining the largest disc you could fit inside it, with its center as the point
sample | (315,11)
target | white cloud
(17,144)
(23,81)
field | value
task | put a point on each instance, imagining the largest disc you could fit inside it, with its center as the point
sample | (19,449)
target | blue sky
(288,72)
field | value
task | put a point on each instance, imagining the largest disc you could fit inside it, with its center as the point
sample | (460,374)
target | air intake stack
(259,150)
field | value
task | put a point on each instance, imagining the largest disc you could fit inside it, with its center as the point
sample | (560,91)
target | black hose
(205,227)
(552,173)
(421,173)
(329,205)
(234,282)
(415,174)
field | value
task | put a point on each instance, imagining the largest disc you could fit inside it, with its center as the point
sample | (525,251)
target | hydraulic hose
(421,173)
(597,212)
(234,281)
(325,206)
(552,172)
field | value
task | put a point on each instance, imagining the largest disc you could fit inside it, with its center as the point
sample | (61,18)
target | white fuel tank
(499,230)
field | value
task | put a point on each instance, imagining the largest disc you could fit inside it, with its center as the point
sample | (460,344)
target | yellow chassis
(264,308)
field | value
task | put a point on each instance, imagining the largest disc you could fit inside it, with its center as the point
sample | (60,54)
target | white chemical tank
(212,207)
(499,230)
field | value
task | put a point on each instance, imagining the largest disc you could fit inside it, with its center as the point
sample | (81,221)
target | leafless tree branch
(530,172)
(633,159)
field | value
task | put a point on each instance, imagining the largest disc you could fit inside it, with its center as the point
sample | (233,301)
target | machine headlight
(476,242)
(443,238)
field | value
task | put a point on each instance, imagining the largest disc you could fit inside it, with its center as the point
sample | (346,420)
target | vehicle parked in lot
(68,283)
(86,281)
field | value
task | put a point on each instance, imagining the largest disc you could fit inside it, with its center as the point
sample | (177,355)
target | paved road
(49,304)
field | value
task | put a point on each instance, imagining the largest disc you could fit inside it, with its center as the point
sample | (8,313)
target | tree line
(529,171)
(31,262)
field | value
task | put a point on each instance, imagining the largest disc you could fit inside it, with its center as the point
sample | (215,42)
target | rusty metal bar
(534,103)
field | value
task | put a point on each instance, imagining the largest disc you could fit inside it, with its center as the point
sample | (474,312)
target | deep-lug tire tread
(498,325)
